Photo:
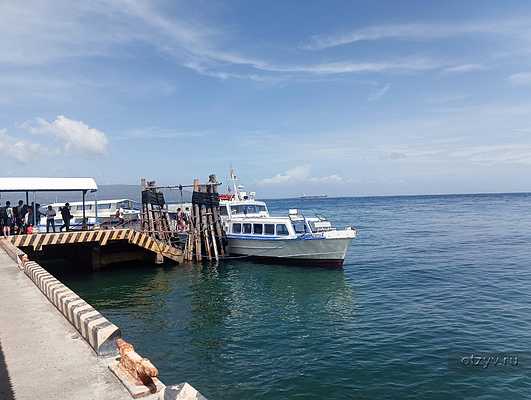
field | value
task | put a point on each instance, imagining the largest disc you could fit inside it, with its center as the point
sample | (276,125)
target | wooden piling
(205,235)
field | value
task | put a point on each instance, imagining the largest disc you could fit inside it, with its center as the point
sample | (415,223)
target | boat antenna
(234,180)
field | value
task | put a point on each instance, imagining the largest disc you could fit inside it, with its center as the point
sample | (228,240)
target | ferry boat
(314,197)
(252,231)
(96,212)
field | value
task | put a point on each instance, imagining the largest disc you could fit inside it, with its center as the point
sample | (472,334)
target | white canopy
(15,184)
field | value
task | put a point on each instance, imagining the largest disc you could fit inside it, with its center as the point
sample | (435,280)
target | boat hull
(311,252)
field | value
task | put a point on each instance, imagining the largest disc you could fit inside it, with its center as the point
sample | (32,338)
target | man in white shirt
(50,219)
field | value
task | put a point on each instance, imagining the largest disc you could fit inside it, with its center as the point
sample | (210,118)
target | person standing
(21,214)
(7,218)
(50,219)
(65,214)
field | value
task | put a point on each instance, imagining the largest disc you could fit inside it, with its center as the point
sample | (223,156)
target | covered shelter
(34,185)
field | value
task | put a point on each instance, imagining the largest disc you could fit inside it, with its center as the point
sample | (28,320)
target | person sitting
(120,215)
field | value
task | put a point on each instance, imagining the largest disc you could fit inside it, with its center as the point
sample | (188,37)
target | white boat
(252,231)
(98,212)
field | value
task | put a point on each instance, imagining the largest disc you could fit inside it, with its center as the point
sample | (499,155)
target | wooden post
(205,231)
(217,224)
(197,224)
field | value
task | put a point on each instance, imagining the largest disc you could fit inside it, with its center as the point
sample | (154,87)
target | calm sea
(430,286)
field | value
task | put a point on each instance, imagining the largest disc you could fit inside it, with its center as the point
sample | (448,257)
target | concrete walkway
(41,355)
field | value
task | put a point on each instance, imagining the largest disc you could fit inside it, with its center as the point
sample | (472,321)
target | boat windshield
(299,226)
(247,209)
(128,205)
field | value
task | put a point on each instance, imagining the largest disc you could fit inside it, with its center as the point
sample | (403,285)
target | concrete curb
(14,252)
(97,330)
(183,391)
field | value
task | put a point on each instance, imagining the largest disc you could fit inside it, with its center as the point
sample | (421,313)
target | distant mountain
(105,192)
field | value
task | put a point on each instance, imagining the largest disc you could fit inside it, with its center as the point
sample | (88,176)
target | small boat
(252,231)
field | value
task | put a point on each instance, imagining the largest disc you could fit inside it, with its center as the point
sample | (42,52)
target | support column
(95,258)
(84,224)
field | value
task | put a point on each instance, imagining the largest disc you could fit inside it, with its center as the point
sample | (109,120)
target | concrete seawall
(93,327)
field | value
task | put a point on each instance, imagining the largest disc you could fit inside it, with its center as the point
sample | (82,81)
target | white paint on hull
(323,249)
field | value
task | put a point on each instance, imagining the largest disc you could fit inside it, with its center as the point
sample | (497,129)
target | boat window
(124,204)
(299,226)
(258,229)
(247,209)
(236,228)
(282,230)
(269,229)
(223,210)
(104,206)
(246,228)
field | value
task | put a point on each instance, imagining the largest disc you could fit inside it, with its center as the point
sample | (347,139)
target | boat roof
(77,203)
(259,220)
(241,202)
(34,184)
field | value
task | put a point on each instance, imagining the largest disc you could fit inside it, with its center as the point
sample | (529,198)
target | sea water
(431,285)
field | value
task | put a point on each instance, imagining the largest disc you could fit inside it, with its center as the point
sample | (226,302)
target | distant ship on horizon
(316,197)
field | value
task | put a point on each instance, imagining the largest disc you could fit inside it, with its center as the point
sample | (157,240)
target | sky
(300,97)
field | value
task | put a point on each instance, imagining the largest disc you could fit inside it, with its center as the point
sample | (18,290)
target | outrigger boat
(252,231)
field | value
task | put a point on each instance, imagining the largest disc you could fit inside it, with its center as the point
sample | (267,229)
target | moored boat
(96,212)
(252,231)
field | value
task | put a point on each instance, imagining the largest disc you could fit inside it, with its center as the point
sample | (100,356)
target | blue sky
(337,97)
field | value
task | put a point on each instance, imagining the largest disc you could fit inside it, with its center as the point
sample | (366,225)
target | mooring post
(197,221)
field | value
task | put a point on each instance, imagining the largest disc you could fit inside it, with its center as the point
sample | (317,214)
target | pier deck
(41,355)
(103,236)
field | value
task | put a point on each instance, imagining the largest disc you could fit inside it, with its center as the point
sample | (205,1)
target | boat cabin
(243,208)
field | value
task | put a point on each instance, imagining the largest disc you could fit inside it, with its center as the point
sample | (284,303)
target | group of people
(66,215)
(21,219)
(182,219)
(18,219)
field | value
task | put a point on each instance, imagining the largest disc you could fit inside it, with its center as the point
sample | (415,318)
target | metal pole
(34,217)
(27,198)
(84,225)
(96,210)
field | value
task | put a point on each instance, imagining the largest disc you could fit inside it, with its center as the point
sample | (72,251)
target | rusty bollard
(139,368)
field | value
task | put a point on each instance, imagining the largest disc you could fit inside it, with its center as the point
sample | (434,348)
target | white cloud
(520,79)
(19,150)
(465,68)
(155,132)
(299,174)
(379,93)
(418,32)
(405,64)
(102,28)
(75,135)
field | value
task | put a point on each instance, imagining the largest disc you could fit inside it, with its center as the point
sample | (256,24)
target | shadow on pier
(6,389)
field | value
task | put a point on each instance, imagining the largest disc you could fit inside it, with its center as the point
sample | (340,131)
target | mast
(235,187)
